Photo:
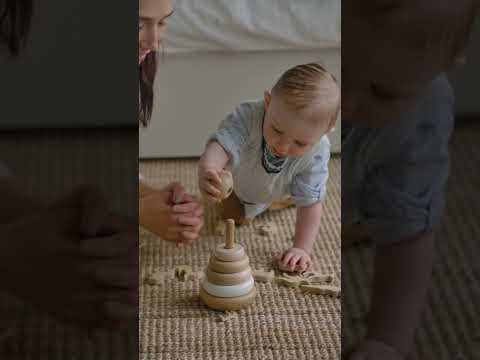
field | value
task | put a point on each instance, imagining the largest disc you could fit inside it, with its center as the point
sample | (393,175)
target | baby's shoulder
(320,150)
(317,156)
(248,118)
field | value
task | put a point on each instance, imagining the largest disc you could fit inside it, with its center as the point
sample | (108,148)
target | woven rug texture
(283,323)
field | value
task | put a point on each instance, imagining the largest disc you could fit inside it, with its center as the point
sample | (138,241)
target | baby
(277,148)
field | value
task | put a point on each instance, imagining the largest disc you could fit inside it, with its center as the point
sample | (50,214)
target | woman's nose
(152,38)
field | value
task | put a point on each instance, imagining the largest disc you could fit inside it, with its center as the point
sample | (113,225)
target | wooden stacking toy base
(225,304)
(228,282)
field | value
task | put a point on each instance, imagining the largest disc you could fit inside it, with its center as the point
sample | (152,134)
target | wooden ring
(228,267)
(235,254)
(228,279)
(231,291)
(227,303)
(226,185)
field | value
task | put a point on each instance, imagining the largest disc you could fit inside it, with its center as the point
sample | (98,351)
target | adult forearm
(401,280)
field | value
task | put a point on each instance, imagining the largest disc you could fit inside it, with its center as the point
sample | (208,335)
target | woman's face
(152,23)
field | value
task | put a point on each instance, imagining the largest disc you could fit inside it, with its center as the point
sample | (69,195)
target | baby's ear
(267,96)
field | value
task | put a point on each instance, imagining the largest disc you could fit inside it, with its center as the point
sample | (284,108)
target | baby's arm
(308,190)
(224,146)
(213,161)
(215,157)
(306,230)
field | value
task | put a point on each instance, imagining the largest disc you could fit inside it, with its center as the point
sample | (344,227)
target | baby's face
(290,133)
(386,65)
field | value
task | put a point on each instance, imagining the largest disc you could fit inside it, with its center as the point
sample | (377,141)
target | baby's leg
(232,208)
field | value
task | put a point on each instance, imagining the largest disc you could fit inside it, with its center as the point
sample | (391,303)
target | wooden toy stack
(228,283)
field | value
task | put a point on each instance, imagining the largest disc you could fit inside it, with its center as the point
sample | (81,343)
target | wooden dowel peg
(230,234)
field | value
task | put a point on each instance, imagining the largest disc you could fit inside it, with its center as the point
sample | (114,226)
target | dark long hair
(147,72)
(15,20)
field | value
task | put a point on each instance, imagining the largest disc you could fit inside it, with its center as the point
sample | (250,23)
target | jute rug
(283,323)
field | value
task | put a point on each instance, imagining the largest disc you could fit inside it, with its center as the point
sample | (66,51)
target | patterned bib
(271,163)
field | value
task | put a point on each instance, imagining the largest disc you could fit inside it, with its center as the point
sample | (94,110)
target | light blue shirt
(303,178)
(393,178)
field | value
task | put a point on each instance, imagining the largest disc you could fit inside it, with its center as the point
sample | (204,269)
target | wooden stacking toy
(228,283)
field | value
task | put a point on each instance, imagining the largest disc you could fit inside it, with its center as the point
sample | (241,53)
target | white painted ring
(225,291)
(225,304)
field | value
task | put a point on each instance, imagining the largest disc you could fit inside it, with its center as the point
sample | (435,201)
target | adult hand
(172,214)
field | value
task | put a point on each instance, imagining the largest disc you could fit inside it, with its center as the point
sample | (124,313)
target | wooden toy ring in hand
(227,184)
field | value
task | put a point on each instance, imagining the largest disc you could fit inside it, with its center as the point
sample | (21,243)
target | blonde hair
(305,85)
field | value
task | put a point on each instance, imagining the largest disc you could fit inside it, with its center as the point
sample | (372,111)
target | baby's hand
(374,350)
(295,259)
(210,183)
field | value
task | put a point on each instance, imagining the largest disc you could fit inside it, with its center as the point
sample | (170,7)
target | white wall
(195,91)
